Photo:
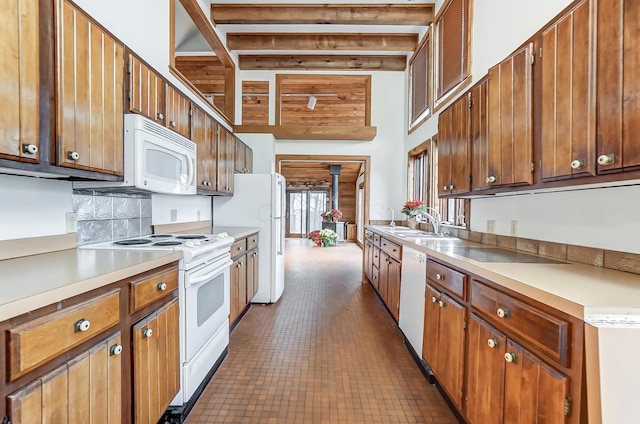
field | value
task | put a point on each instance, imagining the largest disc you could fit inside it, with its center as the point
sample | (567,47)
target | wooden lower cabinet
(508,384)
(86,389)
(244,274)
(382,268)
(390,283)
(443,343)
(156,363)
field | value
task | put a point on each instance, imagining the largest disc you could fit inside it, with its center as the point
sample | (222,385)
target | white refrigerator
(259,201)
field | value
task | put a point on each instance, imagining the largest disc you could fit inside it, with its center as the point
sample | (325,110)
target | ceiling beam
(321,41)
(323,62)
(345,14)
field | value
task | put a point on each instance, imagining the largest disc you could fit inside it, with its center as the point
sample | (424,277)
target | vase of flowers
(323,237)
(412,209)
(332,215)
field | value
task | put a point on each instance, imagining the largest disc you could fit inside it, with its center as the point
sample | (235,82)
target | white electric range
(204,300)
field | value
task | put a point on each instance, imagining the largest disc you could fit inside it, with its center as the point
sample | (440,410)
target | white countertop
(31,282)
(577,289)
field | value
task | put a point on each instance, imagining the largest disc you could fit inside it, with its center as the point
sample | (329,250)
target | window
(423,184)
(420,81)
(453,32)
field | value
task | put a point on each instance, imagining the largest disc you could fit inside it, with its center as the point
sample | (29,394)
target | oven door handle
(197,279)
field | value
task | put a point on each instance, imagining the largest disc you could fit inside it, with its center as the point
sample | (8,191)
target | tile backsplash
(111,216)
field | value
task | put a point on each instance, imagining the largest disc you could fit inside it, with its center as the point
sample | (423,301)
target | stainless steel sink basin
(415,235)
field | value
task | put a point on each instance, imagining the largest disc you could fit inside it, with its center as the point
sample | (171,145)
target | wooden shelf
(304,132)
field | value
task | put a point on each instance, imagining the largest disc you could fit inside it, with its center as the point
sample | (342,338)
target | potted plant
(412,209)
(332,215)
(323,237)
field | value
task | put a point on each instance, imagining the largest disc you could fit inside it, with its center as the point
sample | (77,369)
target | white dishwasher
(413,277)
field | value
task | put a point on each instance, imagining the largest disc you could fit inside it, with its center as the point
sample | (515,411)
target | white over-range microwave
(156,159)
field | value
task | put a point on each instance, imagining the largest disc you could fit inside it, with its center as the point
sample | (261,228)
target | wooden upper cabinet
(510,120)
(204,133)
(568,108)
(618,85)
(146,90)
(479,135)
(226,161)
(19,79)
(90,72)
(453,148)
(177,110)
(244,158)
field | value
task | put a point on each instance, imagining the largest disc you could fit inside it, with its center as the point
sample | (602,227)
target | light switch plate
(491,226)
(72,222)
(514,228)
(174,215)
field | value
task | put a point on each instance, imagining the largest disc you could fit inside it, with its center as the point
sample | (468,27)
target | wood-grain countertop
(583,291)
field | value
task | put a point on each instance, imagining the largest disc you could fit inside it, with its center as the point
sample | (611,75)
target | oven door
(206,304)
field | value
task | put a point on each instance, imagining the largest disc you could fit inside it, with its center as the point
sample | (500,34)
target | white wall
(33,207)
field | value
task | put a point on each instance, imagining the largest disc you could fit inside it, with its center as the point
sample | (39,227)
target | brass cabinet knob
(577,164)
(439,276)
(434,299)
(503,312)
(83,325)
(510,357)
(440,303)
(162,286)
(606,159)
(492,343)
(116,349)
(147,332)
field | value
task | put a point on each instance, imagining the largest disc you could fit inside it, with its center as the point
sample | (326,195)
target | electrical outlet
(174,215)
(72,222)
(491,226)
(198,215)
(514,228)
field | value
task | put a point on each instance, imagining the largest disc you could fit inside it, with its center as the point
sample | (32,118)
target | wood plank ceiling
(310,174)
(322,36)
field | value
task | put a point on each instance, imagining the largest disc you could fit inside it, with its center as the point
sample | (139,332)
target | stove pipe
(334,171)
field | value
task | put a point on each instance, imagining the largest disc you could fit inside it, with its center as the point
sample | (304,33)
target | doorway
(303,211)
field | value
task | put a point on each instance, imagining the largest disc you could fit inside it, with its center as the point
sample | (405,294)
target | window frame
(425,43)
(440,98)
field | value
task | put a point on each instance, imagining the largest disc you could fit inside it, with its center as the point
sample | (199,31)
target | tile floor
(327,352)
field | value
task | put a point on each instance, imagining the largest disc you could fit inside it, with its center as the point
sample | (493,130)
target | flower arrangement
(332,215)
(412,208)
(323,237)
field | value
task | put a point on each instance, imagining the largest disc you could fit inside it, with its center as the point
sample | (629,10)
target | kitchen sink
(414,235)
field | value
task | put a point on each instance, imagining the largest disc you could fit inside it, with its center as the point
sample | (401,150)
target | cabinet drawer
(238,248)
(252,242)
(450,279)
(390,248)
(542,330)
(40,340)
(368,235)
(376,239)
(151,287)
(375,280)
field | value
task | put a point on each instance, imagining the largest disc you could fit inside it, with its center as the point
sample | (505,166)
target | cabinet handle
(394,250)
(434,299)
(147,332)
(439,276)
(606,159)
(238,265)
(503,313)
(172,123)
(162,286)
(510,357)
(445,188)
(159,117)
(73,155)
(440,303)
(82,325)
(491,179)
(492,343)
(29,148)
(451,187)
(577,164)
(254,254)
(116,349)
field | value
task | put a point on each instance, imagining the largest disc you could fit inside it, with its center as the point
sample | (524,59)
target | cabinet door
(87,389)
(534,392)
(367,260)
(235,280)
(248,160)
(90,73)
(479,135)
(383,280)
(568,109)
(393,288)
(156,363)
(239,163)
(618,85)
(226,153)
(445,140)
(242,283)
(19,79)
(203,134)
(510,120)
(146,91)
(252,274)
(485,373)
(451,342)
(430,345)
(177,109)
(459,150)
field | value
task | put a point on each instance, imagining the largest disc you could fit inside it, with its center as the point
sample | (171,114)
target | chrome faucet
(435,218)
(393,222)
